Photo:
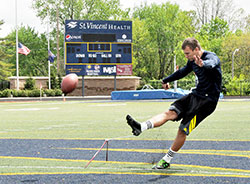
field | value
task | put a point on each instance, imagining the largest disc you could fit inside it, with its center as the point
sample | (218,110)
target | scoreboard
(98,47)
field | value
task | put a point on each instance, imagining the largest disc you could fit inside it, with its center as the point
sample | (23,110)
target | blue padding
(221,95)
(148,94)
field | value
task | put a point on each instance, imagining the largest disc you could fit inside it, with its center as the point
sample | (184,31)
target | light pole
(236,50)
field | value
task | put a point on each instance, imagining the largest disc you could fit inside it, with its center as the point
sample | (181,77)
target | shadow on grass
(155,179)
(165,171)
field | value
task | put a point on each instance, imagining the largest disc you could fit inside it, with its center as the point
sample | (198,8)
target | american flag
(22,49)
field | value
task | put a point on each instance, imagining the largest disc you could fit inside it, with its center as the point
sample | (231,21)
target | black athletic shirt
(209,76)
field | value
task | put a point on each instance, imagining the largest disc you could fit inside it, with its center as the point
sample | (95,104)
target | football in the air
(69,83)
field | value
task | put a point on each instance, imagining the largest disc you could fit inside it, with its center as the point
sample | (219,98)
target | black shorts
(192,110)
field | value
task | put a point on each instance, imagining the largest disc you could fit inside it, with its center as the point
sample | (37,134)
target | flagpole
(17,62)
(48,51)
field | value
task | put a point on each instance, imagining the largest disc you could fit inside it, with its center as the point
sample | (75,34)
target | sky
(27,16)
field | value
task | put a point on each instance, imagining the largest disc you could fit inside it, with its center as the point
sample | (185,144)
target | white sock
(146,125)
(168,157)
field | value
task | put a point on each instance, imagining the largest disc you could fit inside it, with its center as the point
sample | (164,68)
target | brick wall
(93,86)
(39,81)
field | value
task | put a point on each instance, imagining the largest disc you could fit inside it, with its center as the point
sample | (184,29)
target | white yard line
(32,109)
(108,105)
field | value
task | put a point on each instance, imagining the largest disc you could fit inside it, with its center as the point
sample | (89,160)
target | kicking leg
(162,118)
(156,121)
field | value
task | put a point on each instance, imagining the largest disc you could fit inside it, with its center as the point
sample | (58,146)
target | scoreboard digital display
(98,47)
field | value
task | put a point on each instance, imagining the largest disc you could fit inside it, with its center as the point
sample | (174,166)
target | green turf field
(40,120)
(97,121)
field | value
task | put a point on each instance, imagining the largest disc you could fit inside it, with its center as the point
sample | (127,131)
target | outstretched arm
(178,74)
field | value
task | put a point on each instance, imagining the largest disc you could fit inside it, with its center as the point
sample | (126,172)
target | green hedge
(29,93)
(238,88)
(5,93)
(230,87)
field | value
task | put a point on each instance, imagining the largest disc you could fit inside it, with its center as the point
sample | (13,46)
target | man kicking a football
(192,108)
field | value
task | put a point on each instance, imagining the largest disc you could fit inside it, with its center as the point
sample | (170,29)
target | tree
(241,58)
(79,9)
(1,23)
(247,26)
(164,27)
(5,67)
(144,52)
(212,35)
(216,28)
(36,62)
(208,10)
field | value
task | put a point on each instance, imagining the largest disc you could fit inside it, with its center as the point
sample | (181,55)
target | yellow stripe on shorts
(192,124)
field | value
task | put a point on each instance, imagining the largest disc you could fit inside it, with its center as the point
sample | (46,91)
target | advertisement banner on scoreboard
(94,70)
(124,70)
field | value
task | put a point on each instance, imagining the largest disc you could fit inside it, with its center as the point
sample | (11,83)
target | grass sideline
(80,120)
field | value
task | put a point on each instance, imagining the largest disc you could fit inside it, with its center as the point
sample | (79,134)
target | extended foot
(136,127)
(162,164)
